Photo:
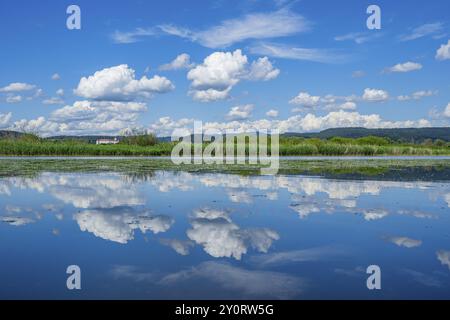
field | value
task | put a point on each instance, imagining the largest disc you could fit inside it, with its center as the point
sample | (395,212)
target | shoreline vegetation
(148,145)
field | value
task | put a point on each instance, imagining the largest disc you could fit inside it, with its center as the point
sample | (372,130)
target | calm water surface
(189,236)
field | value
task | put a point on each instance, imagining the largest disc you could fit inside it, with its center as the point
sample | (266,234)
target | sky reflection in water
(189,236)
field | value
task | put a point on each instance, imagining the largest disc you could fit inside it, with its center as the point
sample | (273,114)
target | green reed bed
(368,146)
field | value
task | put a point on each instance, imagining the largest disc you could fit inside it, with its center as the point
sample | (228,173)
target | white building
(107,141)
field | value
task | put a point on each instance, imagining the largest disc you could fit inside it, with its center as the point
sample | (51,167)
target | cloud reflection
(221,237)
(119,224)
(444,257)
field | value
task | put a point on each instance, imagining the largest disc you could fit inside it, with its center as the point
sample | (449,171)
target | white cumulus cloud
(375,95)
(349,105)
(307,123)
(304,99)
(262,69)
(447,111)
(53,101)
(119,83)
(17,87)
(240,112)
(272,113)
(4,119)
(221,71)
(443,53)
(405,67)
(182,61)
(14,99)
(86,117)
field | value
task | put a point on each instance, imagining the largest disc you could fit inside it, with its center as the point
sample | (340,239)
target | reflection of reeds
(143,169)
(139,176)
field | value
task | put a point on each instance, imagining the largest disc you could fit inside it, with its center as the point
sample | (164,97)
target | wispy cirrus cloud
(277,50)
(250,283)
(298,256)
(403,67)
(404,242)
(228,278)
(417,95)
(429,29)
(358,37)
(358,74)
(253,26)
(133,36)
(422,278)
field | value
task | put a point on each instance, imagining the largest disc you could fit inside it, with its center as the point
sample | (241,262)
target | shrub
(341,140)
(144,140)
(28,137)
(373,141)
(440,143)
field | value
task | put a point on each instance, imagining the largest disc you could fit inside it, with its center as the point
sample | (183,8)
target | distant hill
(89,139)
(414,135)
(9,134)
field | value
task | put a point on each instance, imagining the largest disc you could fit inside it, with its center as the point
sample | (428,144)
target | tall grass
(50,148)
(29,145)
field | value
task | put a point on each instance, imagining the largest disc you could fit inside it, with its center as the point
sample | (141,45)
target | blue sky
(278,64)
